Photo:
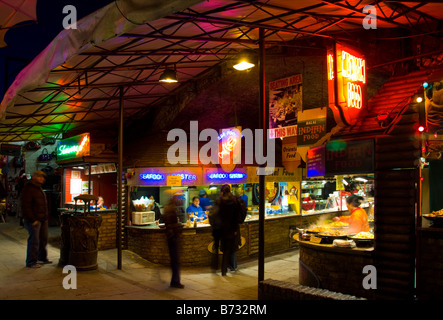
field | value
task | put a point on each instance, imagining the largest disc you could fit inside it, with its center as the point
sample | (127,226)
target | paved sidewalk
(138,279)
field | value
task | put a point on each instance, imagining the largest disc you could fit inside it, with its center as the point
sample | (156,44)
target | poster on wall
(285,100)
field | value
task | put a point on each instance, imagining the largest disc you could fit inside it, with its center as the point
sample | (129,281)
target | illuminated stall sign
(229,148)
(74,147)
(217,176)
(349,84)
(159,176)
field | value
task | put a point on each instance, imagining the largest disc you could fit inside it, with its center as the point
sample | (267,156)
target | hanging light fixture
(245,61)
(168,76)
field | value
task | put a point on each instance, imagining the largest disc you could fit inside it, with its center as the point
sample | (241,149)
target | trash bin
(83,232)
(65,240)
(79,233)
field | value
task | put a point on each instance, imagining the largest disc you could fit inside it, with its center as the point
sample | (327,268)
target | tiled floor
(138,279)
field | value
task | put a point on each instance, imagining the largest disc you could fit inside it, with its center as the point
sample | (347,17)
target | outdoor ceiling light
(168,76)
(244,62)
(243,65)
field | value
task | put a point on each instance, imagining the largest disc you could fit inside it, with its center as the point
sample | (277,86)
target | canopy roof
(13,12)
(76,83)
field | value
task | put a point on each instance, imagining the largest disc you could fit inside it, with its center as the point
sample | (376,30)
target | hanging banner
(290,157)
(285,100)
(311,126)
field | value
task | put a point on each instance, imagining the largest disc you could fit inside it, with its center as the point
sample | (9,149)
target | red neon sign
(349,84)
(227,147)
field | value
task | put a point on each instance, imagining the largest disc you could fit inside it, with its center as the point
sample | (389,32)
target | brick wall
(430,263)
(279,290)
(107,237)
(151,244)
(337,269)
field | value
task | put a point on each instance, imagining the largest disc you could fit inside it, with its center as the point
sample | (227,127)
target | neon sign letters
(222,176)
(349,84)
(73,147)
(227,139)
(152,176)
(160,177)
(353,68)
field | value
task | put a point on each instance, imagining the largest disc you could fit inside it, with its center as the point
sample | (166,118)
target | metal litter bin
(82,236)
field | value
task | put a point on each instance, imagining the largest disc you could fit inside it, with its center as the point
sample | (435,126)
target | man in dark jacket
(231,212)
(36,216)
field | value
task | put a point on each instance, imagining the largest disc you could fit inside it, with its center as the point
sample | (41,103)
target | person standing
(35,218)
(232,212)
(194,211)
(173,231)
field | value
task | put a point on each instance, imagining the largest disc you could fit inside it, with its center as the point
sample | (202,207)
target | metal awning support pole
(263,118)
(120,184)
(89,178)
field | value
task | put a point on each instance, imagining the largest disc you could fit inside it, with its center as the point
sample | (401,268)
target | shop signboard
(348,157)
(279,174)
(217,176)
(310,131)
(285,101)
(158,176)
(229,154)
(74,147)
(346,68)
(13,150)
(315,165)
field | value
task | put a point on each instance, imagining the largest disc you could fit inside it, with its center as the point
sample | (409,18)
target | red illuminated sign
(347,90)
(229,148)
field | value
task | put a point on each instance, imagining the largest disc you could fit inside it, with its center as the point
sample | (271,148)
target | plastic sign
(347,89)
(74,147)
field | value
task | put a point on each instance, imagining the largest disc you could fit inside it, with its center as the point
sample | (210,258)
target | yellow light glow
(168,80)
(243,65)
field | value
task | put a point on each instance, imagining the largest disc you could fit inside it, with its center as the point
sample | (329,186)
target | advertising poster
(285,100)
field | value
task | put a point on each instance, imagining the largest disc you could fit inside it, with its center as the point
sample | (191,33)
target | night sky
(28,39)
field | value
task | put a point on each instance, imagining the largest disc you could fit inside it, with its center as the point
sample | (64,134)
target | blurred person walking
(174,229)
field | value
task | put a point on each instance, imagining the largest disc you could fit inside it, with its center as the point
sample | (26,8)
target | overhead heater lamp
(168,76)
